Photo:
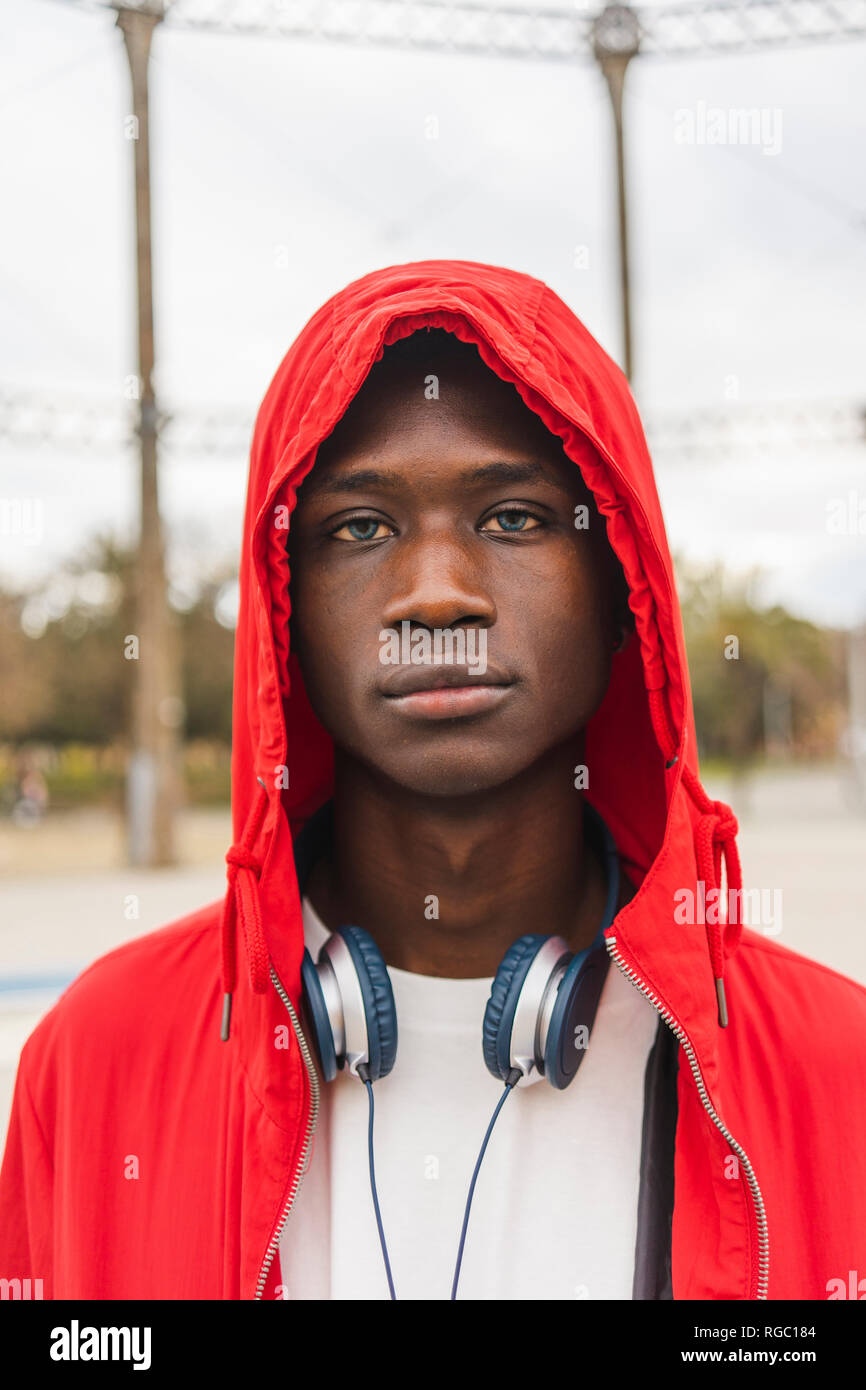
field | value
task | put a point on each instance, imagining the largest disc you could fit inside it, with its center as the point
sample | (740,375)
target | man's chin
(454,776)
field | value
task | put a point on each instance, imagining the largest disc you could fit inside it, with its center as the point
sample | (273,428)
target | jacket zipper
(754,1190)
(639,984)
(274,1242)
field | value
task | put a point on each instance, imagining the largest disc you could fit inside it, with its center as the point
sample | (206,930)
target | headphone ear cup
(573,1015)
(502,1004)
(317,1014)
(380,1010)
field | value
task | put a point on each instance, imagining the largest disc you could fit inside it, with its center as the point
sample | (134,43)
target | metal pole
(152,782)
(616,40)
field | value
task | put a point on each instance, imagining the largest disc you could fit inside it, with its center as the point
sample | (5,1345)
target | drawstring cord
(242,903)
(715,841)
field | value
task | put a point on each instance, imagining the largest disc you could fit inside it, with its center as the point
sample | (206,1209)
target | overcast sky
(282,170)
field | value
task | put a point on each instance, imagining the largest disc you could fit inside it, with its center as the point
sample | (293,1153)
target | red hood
(641,743)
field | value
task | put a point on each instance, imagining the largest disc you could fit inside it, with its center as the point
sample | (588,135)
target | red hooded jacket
(148,1158)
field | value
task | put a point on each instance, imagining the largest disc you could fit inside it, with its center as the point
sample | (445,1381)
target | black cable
(368,1083)
(511,1081)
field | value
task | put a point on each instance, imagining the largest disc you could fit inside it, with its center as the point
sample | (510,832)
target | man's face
(447,514)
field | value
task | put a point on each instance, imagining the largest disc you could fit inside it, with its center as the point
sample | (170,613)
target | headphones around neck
(537,1023)
(542,1004)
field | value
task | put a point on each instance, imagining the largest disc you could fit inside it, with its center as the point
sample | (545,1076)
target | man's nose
(437,583)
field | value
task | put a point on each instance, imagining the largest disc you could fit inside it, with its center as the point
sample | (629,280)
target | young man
(470,790)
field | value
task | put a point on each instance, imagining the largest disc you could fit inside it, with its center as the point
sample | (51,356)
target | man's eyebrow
(324,482)
(519,471)
(499,471)
(509,472)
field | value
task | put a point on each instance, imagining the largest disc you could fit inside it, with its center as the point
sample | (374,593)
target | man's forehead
(396,430)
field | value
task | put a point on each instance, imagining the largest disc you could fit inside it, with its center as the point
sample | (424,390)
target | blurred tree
(65,676)
(207,654)
(786,671)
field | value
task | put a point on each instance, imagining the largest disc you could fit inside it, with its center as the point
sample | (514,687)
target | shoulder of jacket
(782,960)
(798,1008)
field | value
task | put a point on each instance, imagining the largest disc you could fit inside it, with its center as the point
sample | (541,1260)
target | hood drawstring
(715,840)
(242,902)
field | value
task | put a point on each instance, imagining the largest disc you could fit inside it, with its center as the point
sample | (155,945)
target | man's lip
(451,701)
(410,680)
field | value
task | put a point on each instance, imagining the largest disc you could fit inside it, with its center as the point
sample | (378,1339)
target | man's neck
(445,885)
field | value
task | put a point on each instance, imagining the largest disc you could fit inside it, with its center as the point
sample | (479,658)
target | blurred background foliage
(785,694)
(67,687)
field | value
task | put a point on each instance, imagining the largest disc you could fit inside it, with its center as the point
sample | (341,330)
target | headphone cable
(510,1082)
(368,1083)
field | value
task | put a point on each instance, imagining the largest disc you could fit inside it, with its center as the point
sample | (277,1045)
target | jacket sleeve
(26,1195)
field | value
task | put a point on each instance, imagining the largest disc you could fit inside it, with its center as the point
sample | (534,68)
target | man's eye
(361,528)
(511,521)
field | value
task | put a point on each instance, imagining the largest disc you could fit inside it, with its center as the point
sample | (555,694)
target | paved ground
(66,898)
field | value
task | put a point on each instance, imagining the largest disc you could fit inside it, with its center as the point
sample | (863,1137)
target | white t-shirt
(554,1214)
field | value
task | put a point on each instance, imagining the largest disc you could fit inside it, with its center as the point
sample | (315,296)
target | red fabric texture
(146,1158)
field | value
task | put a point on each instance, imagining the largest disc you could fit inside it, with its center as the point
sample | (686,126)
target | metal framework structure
(28,419)
(548,32)
(611,37)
